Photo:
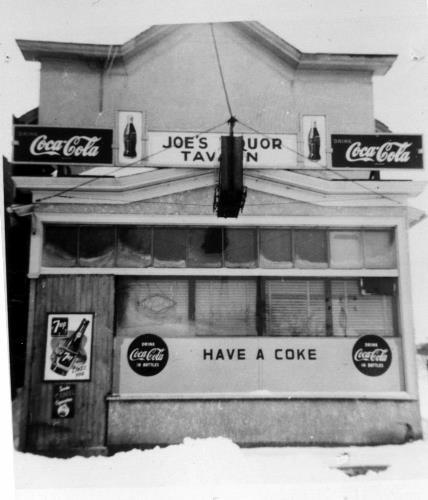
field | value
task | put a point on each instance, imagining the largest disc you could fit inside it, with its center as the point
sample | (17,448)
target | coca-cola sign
(371,355)
(60,145)
(377,151)
(148,355)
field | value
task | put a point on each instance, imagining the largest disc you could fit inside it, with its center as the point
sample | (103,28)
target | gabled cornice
(377,64)
(160,182)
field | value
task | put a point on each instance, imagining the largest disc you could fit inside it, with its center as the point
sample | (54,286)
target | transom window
(217,247)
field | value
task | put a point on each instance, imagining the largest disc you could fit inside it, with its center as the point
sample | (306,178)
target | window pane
(295,307)
(225,307)
(205,247)
(134,247)
(169,247)
(240,247)
(310,248)
(379,249)
(60,246)
(96,246)
(152,306)
(345,249)
(355,314)
(275,248)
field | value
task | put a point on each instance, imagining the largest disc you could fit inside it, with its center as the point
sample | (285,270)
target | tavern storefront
(283,316)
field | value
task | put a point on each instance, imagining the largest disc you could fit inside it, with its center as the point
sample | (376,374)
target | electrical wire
(343,176)
(226,95)
(93,179)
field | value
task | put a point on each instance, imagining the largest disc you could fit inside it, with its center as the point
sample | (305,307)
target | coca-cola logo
(148,355)
(388,152)
(74,147)
(372,355)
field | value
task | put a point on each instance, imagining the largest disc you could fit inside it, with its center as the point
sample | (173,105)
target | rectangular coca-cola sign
(377,151)
(60,145)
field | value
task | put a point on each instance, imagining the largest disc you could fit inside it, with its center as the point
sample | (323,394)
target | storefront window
(225,307)
(215,247)
(379,249)
(228,307)
(275,248)
(346,249)
(357,313)
(157,306)
(205,247)
(134,247)
(60,246)
(169,247)
(96,246)
(310,248)
(240,247)
(296,307)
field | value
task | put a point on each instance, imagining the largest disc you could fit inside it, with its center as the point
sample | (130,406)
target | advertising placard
(129,137)
(314,141)
(377,151)
(150,364)
(189,149)
(63,399)
(68,346)
(62,145)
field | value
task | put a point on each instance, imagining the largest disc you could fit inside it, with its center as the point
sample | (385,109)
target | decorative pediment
(375,63)
(150,184)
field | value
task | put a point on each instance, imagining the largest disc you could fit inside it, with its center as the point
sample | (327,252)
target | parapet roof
(378,64)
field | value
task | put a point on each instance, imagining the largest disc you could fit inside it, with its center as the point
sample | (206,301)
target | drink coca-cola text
(389,152)
(154,354)
(147,355)
(75,146)
(374,356)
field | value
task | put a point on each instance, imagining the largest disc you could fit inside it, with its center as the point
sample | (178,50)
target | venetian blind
(225,307)
(295,307)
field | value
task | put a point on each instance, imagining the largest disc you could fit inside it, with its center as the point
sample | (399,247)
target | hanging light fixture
(230,193)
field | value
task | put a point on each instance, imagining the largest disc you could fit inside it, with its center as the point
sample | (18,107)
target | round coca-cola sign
(147,355)
(372,355)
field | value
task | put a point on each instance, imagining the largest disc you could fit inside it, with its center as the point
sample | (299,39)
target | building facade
(152,319)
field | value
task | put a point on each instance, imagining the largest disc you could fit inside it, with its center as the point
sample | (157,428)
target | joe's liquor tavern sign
(59,145)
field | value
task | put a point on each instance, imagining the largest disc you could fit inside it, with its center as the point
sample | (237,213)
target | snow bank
(218,468)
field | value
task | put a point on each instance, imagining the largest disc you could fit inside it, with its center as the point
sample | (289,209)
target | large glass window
(346,250)
(295,307)
(240,247)
(159,306)
(60,246)
(379,249)
(228,307)
(225,307)
(205,247)
(275,248)
(134,247)
(169,247)
(357,312)
(96,246)
(197,247)
(310,248)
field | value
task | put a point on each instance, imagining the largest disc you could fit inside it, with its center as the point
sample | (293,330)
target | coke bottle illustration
(130,139)
(314,143)
(66,354)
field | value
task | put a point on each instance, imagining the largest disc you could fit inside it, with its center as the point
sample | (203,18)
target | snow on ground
(217,469)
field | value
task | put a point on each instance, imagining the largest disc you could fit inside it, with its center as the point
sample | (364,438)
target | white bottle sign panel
(129,137)
(68,347)
(314,141)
